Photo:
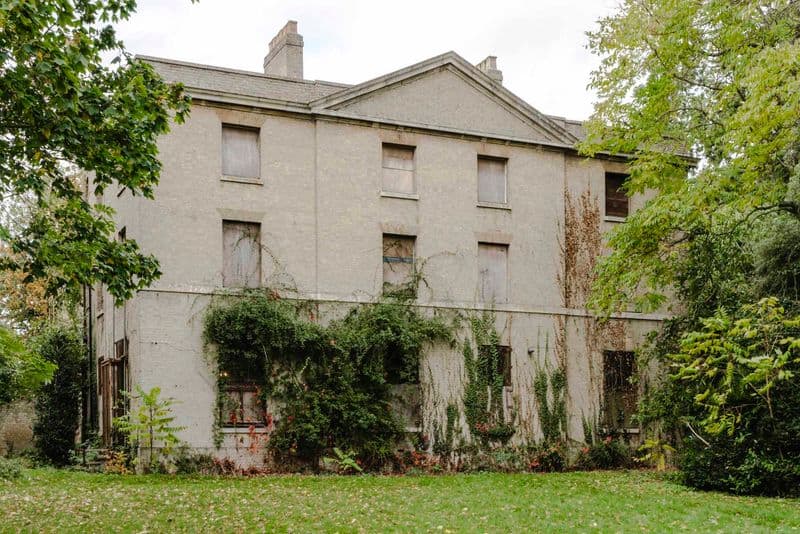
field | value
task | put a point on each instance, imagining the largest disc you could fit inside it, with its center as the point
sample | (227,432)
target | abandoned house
(324,191)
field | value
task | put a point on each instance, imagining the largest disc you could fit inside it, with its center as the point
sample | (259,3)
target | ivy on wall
(483,392)
(332,383)
(549,389)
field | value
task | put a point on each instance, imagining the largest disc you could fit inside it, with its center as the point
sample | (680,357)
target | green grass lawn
(61,501)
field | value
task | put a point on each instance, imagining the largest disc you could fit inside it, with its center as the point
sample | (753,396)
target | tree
(22,372)
(715,80)
(151,424)
(62,107)
(58,405)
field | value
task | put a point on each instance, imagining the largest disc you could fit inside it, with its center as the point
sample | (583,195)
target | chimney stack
(285,56)
(489,67)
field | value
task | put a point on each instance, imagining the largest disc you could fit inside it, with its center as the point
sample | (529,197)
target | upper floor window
(616,199)
(492,180)
(398,259)
(240,152)
(241,254)
(493,272)
(398,169)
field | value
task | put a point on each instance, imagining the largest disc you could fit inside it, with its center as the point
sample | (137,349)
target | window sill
(406,196)
(242,180)
(631,430)
(243,430)
(494,205)
(614,219)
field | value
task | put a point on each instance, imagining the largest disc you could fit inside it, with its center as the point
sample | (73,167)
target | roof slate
(238,82)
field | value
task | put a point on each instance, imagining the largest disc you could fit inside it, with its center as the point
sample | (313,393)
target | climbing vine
(483,392)
(549,388)
(328,386)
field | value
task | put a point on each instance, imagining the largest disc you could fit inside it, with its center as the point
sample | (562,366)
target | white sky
(540,44)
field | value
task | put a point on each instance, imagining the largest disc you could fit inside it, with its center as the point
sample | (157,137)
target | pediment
(447,93)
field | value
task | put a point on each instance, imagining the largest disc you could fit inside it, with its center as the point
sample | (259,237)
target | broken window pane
(493,272)
(240,152)
(616,199)
(619,391)
(492,180)
(241,253)
(398,259)
(398,169)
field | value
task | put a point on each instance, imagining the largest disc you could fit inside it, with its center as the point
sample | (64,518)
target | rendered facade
(324,191)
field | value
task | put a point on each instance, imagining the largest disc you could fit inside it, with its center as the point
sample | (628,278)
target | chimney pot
(489,67)
(285,55)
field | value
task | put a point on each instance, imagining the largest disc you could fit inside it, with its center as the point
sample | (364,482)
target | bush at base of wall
(58,404)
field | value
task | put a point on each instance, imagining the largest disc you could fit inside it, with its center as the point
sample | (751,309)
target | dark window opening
(498,357)
(619,389)
(241,403)
(113,383)
(616,199)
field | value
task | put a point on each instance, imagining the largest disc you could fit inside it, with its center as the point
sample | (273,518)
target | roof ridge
(238,71)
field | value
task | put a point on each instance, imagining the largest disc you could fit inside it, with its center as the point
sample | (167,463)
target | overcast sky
(540,44)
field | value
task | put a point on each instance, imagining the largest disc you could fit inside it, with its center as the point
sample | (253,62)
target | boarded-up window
(493,272)
(241,254)
(616,199)
(398,259)
(240,152)
(619,390)
(492,183)
(398,169)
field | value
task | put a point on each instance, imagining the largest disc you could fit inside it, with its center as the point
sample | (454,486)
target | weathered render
(323,211)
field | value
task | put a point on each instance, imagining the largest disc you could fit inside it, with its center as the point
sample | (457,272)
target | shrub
(149,425)
(117,463)
(58,404)
(549,459)
(189,463)
(16,437)
(10,468)
(741,370)
(607,453)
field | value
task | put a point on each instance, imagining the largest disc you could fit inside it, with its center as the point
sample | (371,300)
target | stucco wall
(322,217)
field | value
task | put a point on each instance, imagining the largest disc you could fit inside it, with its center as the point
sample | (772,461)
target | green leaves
(332,383)
(713,79)
(151,424)
(22,371)
(62,107)
(736,362)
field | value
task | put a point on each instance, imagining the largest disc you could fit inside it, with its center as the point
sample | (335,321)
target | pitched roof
(321,97)
(239,82)
(470,73)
